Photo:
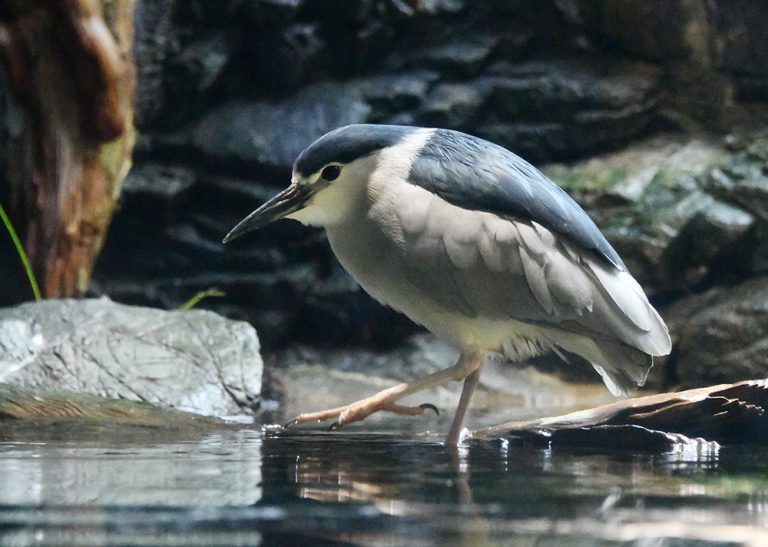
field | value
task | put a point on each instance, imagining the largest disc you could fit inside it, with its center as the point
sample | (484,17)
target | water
(79,484)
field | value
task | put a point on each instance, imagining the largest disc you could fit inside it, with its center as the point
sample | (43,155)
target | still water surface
(79,484)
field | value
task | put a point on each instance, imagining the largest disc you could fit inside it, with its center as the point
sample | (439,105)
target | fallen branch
(725,414)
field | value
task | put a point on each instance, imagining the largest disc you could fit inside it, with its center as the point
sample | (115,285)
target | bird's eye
(330,172)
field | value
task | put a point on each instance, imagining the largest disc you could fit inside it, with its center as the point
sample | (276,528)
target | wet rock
(194,361)
(721,335)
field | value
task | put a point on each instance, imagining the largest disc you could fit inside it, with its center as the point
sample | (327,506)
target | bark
(69,67)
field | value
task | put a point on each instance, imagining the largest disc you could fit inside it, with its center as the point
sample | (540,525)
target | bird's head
(327,177)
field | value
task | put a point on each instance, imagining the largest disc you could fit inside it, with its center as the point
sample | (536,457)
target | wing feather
(478,264)
(537,282)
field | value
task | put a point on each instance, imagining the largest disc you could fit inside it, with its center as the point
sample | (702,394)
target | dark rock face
(562,109)
(722,335)
(631,98)
(271,135)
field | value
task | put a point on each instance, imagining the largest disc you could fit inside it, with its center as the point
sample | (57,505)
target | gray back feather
(476,174)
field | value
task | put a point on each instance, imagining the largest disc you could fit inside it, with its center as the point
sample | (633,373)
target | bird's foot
(359,411)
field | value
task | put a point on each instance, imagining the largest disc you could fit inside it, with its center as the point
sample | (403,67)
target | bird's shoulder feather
(475,174)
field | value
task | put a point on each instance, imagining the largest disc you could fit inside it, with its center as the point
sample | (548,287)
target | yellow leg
(470,383)
(468,364)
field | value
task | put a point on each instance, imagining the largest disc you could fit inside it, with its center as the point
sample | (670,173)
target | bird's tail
(621,366)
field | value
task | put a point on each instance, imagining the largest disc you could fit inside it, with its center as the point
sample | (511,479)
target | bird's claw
(334,426)
(430,406)
(291,423)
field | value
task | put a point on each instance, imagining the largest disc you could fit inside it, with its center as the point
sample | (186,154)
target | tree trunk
(70,70)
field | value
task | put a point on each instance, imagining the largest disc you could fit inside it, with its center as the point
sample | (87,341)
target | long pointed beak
(286,202)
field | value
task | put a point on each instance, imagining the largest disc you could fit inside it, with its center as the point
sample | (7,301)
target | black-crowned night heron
(477,245)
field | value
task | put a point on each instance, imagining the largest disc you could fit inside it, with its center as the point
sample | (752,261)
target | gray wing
(476,174)
(481,265)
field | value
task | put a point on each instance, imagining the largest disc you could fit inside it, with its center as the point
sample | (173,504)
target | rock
(192,74)
(720,336)
(654,29)
(31,405)
(739,35)
(389,94)
(271,135)
(708,50)
(156,190)
(430,7)
(712,247)
(567,108)
(549,109)
(744,181)
(278,11)
(154,42)
(452,105)
(645,196)
(193,361)
(462,57)
(290,54)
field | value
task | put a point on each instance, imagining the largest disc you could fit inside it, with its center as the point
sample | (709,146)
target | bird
(477,245)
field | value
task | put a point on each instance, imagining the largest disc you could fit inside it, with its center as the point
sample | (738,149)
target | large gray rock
(194,361)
